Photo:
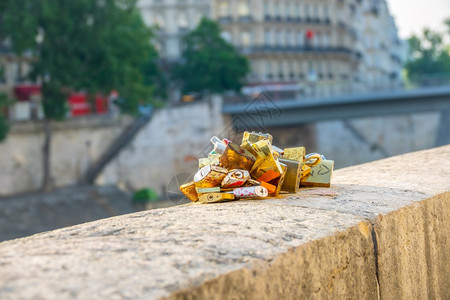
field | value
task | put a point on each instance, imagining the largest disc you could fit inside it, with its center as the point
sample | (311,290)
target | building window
(147,16)
(268,69)
(280,70)
(160,22)
(279,38)
(290,38)
(298,12)
(267,37)
(226,36)
(197,18)
(224,9)
(316,11)
(326,13)
(292,10)
(307,15)
(266,9)
(287,8)
(300,38)
(183,23)
(326,39)
(277,10)
(243,8)
(246,39)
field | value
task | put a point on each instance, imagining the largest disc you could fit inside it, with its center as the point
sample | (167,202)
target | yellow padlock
(216,197)
(293,175)
(188,189)
(235,157)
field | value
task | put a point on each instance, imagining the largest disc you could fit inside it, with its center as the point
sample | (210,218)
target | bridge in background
(264,112)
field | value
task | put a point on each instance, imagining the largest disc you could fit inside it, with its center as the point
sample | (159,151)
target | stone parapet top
(193,249)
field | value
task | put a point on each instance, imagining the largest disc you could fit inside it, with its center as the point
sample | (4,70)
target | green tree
(429,56)
(209,63)
(90,45)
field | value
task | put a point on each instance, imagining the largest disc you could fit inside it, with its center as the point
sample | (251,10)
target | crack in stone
(375,253)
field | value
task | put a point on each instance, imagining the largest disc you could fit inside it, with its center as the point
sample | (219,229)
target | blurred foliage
(428,54)
(209,63)
(91,45)
(4,127)
(145,195)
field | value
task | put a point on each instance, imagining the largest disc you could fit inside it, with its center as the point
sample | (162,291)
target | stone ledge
(381,230)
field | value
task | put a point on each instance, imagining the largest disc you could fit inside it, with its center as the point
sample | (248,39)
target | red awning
(24,92)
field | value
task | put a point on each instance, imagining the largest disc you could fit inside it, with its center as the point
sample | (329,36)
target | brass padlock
(297,154)
(249,138)
(235,157)
(212,159)
(235,178)
(254,137)
(278,182)
(293,175)
(210,176)
(266,161)
(311,160)
(320,174)
(188,189)
(208,190)
(216,197)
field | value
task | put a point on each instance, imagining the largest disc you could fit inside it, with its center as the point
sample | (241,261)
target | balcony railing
(299,49)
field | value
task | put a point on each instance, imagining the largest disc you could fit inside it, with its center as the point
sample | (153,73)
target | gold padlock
(320,174)
(266,161)
(188,189)
(297,154)
(278,182)
(209,176)
(254,137)
(312,159)
(216,197)
(212,159)
(249,138)
(293,175)
(208,190)
(235,157)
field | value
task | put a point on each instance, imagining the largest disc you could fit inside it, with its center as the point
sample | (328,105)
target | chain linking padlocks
(255,169)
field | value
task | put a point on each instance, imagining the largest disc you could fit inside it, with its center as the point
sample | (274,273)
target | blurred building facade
(318,46)
(172,19)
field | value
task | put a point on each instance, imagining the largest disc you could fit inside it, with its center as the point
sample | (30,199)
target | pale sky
(411,16)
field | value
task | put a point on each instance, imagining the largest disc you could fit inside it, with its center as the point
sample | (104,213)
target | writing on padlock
(296,153)
(320,174)
(235,178)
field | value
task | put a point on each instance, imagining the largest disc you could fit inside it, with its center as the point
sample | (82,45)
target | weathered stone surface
(414,250)
(316,244)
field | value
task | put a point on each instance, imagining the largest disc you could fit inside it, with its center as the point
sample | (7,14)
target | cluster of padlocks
(255,169)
